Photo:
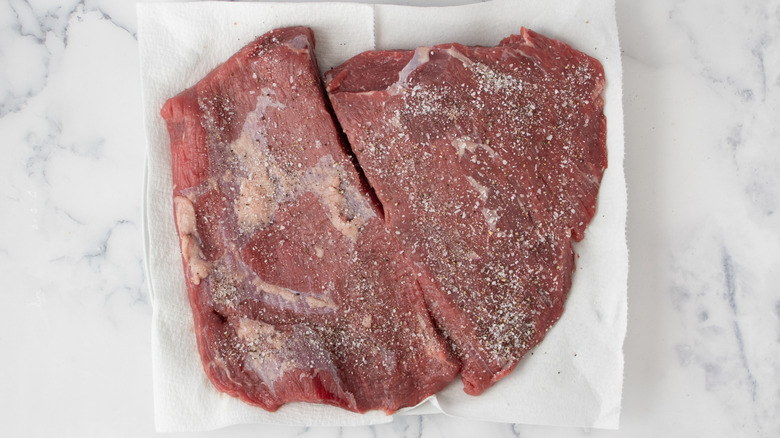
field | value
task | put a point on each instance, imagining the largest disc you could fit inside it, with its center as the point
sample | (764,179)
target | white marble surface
(702,103)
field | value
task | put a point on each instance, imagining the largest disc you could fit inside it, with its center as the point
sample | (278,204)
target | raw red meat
(298,291)
(487,161)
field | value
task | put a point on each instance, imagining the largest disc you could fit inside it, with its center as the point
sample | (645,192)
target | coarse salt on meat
(297,291)
(487,161)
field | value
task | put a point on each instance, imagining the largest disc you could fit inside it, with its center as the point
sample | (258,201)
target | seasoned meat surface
(434,238)
(487,162)
(298,291)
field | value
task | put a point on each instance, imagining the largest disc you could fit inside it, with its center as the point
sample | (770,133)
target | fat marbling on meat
(487,162)
(298,291)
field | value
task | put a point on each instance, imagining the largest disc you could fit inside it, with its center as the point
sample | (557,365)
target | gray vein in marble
(745,73)
(43,27)
(731,291)
(758,53)
(24,18)
(61,211)
(709,294)
(102,246)
(734,139)
(714,73)
(102,256)
(106,16)
(42,148)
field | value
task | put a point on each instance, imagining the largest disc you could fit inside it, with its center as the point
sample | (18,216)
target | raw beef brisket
(298,291)
(487,162)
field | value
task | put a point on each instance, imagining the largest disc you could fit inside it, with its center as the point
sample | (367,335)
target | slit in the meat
(222,318)
(347,148)
(449,345)
(363,179)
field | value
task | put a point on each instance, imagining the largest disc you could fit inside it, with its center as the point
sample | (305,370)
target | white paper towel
(574,377)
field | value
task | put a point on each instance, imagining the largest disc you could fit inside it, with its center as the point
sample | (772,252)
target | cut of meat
(487,162)
(298,291)
(452,252)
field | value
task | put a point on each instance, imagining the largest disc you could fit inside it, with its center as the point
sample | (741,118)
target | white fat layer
(184,212)
(260,337)
(463,144)
(264,184)
(347,209)
(459,56)
(259,188)
(482,190)
(252,331)
(255,204)
(419,58)
(282,292)
(300,42)
(267,99)
(491,217)
(319,303)
(293,296)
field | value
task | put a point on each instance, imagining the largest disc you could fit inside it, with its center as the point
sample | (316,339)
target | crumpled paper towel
(574,377)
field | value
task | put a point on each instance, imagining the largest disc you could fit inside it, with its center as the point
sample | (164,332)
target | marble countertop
(701,101)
